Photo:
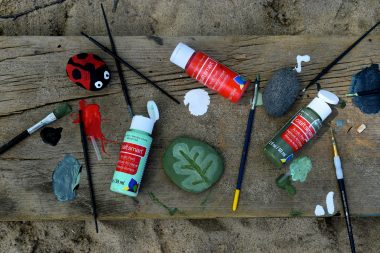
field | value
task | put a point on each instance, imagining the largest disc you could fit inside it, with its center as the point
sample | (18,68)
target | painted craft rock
(66,177)
(281,92)
(192,165)
(88,71)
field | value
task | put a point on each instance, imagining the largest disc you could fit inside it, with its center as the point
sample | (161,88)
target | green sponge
(62,110)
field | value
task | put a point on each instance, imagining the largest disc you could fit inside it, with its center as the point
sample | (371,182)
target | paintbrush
(117,57)
(247,140)
(336,60)
(364,93)
(118,66)
(88,169)
(59,112)
(342,189)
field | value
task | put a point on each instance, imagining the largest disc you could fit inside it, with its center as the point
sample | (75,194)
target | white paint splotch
(330,202)
(300,59)
(198,101)
(319,211)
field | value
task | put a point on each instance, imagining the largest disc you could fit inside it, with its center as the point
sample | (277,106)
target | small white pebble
(361,128)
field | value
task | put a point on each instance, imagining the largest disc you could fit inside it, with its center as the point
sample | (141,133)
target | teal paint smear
(300,168)
(66,177)
(339,123)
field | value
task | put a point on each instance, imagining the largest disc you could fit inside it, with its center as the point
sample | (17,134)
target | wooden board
(33,81)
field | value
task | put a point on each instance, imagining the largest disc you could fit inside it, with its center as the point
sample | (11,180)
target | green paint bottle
(300,128)
(134,153)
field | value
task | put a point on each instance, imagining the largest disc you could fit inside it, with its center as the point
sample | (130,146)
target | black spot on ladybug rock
(77,74)
(82,55)
(97,58)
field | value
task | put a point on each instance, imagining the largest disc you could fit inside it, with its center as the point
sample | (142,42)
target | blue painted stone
(367,79)
(66,177)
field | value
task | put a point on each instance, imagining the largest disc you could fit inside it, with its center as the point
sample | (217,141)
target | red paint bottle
(209,72)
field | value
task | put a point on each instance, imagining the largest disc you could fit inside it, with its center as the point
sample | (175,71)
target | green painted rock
(192,165)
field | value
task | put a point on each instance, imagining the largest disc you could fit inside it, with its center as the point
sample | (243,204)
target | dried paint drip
(50,135)
(366,80)
(300,59)
(198,101)
(92,120)
(66,177)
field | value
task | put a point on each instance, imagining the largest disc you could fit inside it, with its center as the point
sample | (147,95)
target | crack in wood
(56,102)
(23,13)
(28,55)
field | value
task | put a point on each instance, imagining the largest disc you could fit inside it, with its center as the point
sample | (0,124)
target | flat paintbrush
(124,86)
(117,57)
(58,113)
(336,60)
(88,169)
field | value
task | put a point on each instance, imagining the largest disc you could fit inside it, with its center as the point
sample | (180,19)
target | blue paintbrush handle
(247,140)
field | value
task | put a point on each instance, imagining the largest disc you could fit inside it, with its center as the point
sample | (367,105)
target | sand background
(190,17)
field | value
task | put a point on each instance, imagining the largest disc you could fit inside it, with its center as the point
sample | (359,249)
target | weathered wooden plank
(33,81)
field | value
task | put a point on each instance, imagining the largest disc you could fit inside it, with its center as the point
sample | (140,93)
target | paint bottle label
(130,167)
(291,138)
(216,76)
(209,72)
(301,130)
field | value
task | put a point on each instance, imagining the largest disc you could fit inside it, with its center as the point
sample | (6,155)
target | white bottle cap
(321,103)
(181,55)
(146,124)
(328,97)
(142,123)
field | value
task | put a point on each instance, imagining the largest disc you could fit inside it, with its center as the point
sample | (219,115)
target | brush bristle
(62,110)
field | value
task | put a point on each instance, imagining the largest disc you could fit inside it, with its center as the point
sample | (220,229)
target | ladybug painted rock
(88,71)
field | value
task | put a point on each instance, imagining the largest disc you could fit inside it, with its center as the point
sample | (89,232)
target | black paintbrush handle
(342,189)
(117,57)
(88,169)
(336,60)
(14,141)
(118,66)
(369,92)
